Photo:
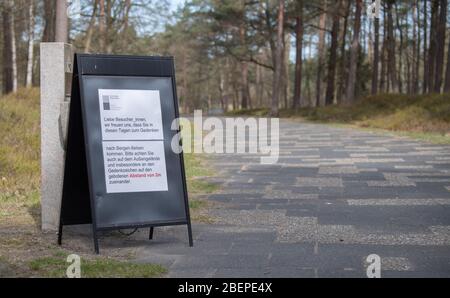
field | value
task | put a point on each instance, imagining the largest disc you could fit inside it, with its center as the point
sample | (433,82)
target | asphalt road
(336,196)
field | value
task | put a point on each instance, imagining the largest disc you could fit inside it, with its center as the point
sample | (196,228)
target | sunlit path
(335,196)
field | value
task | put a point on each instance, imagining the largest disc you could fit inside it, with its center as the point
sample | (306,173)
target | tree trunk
(10,49)
(126,16)
(425,48)
(8,38)
(384,82)
(401,48)
(321,54)
(391,65)
(354,53)
(245,92)
(29,78)
(287,49)
(185,84)
(278,61)
(109,25)
(126,22)
(62,22)
(447,72)
(408,74)
(235,97)
(416,48)
(329,97)
(221,88)
(369,42)
(298,57)
(90,31)
(440,46)
(343,59)
(376,56)
(49,20)
(259,86)
(101,26)
(433,45)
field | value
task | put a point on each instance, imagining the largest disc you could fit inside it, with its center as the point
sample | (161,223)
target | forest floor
(424,117)
(28,252)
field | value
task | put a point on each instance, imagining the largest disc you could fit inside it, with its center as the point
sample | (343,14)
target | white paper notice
(133,142)
(130,114)
(134,166)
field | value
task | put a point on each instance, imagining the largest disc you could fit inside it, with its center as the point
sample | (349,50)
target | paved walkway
(336,196)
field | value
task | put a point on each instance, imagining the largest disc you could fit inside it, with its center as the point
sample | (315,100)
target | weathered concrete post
(56,69)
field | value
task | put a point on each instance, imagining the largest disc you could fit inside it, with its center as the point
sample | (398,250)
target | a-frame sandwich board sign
(120,169)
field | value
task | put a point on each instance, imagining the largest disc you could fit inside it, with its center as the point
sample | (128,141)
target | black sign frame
(80,192)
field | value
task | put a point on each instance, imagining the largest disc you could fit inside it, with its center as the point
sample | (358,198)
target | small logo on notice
(374,268)
(106,104)
(74,269)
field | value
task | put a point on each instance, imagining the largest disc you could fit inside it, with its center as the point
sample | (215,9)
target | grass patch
(435,138)
(424,117)
(6,269)
(56,266)
(196,186)
(262,112)
(196,169)
(429,137)
(19,152)
(197,204)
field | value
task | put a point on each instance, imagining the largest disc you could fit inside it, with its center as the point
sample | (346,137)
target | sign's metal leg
(191,241)
(150,234)
(60,231)
(97,251)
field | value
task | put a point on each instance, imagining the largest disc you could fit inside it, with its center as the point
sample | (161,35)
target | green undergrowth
(56,266)
(425,117)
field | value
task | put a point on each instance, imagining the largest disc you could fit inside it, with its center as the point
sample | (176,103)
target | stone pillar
(56,74)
